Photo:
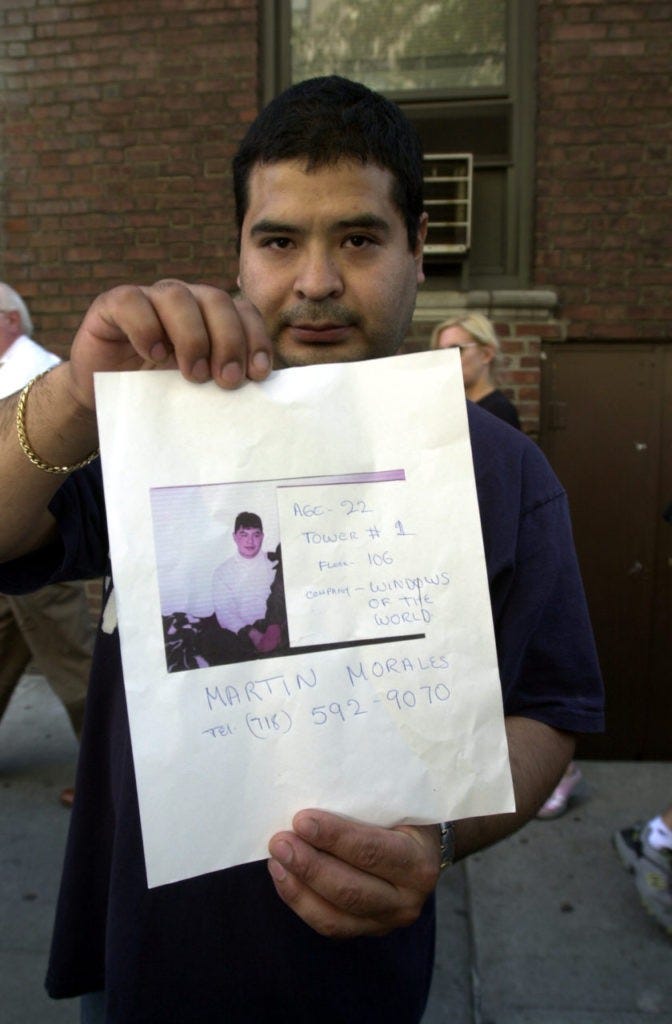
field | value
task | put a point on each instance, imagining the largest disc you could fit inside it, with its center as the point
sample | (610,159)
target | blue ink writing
(219,730)
(263,726)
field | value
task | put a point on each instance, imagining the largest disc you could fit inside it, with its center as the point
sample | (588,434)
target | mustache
(319,312)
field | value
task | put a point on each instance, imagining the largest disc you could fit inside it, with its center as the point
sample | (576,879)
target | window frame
(517,96)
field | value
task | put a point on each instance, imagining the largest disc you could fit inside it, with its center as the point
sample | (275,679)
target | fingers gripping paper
(302,604)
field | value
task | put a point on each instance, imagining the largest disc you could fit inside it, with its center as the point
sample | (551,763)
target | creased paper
(382,703)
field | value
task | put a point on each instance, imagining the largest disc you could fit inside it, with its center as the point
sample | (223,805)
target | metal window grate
(448,179)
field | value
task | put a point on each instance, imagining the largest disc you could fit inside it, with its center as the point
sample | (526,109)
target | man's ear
(419,247)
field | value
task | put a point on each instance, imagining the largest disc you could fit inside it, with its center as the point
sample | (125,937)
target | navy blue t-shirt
(223,948)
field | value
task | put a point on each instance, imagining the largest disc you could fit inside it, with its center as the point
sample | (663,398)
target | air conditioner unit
(448,179)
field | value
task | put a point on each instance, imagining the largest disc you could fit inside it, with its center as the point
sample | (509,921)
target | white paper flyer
(366,680)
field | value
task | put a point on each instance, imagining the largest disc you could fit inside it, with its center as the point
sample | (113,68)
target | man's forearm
(538,754)
(59,432)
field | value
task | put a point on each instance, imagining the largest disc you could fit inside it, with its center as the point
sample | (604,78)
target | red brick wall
(118,121)
(604,165)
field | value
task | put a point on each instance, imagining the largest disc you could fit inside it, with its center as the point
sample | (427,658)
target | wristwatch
(447,830)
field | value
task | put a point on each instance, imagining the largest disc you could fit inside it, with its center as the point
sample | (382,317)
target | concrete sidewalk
(548,925)
(545,928)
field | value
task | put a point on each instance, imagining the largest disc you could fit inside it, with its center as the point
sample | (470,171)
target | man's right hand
(197,329)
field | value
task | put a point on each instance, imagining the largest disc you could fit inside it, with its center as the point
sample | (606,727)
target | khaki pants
(53,629)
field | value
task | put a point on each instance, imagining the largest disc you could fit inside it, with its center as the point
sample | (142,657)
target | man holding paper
(338,925)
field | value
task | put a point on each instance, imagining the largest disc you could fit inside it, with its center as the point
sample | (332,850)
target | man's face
(10,328)
(248,541)
(325,259)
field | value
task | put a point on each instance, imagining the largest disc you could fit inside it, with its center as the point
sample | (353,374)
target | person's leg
(559,798)
(653,871)
(14,653)
(56,625)
(659,832)
(92,1008)
(644,839)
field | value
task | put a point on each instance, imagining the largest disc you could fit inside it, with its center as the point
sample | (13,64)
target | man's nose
(318,275)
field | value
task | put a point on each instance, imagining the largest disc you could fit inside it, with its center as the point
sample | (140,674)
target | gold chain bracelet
(25,443)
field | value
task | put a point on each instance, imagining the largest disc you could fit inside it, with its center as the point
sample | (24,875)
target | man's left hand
(346,880)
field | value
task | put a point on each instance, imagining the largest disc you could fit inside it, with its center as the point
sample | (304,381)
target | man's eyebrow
(367,221)
(361,221)
(273,227)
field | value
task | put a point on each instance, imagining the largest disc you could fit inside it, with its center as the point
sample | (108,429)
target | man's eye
(359,241)
(277,243)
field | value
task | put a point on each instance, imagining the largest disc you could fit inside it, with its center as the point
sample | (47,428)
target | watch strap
(447,839)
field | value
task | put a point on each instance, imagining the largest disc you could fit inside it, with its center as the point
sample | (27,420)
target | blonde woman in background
(481,355)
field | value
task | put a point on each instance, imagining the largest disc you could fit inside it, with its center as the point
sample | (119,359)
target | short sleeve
(81,550)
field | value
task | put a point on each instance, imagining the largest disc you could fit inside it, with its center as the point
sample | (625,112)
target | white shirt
(22,361)
(240,589)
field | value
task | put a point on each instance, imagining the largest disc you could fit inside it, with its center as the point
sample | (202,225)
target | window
(400,46)
(463,71)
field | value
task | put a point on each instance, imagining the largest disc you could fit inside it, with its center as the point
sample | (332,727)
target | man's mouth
(320,333)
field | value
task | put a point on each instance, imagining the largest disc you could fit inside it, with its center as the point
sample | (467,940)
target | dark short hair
(325,120)
(247,521)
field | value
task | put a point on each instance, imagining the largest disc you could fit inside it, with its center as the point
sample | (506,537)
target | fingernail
(282,851)
(201,370)
(261,362)
(232,374)
(307,827)
(158,352)
(277,871)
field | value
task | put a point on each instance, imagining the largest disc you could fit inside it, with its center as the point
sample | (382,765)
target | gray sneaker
(628,845)
(654,885)
(652,870)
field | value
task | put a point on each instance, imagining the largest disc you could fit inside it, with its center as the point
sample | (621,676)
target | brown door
(607,430)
